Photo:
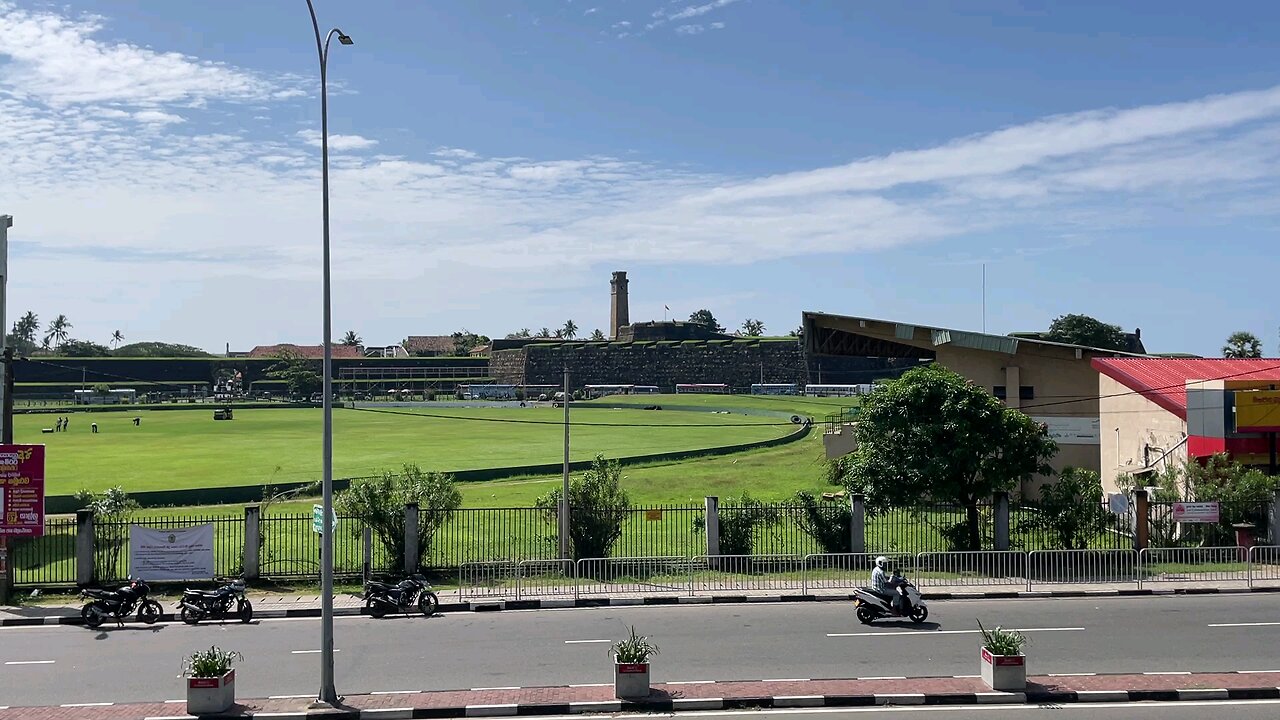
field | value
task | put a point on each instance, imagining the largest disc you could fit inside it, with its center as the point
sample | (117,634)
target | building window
(1027,392)
(1000,392)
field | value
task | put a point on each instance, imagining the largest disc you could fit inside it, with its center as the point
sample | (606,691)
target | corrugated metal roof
(1163,380)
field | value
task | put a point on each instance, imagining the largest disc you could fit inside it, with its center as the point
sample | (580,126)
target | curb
(566,603)
(668,705)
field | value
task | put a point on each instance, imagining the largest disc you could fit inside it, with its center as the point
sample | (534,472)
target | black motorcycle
(119,604)
(381,598)
(227,601)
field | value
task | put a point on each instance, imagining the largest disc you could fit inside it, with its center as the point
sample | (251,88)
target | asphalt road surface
(1241,710)
(69,664)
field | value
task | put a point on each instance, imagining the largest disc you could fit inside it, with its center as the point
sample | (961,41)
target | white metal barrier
(490,579)
(546,578)
(717,573)
(1080,567)
(633,576)
(980,568)
(1195,564)
(845,571)
(1264,565)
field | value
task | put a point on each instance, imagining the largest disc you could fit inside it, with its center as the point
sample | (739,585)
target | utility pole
(565,547)
(6,386)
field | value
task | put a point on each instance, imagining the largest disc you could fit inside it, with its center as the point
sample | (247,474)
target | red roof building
(311,352)
(1154,411)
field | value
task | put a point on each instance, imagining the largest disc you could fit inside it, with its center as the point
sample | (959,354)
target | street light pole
(328,692)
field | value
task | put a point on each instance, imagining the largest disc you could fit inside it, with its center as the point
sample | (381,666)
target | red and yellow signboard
(21,490)
(1258,411)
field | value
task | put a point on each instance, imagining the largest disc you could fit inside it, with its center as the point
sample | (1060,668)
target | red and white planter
(209,696)
(1004,673)
(630,680)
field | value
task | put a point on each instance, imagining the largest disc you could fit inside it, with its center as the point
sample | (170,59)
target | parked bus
(836,390)
(775,389)
(703,388)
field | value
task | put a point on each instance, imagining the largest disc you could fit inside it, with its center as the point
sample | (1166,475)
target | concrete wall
(1130,422)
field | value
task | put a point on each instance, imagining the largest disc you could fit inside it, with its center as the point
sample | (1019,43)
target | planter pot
(209,696)
(1004,673)
(631,680)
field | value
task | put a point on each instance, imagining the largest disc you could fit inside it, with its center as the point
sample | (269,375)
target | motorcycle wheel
(865,615)
(375,608)
(149,612)
(428,603)
(189,616)
(919,614)
(91,618)
(244,609)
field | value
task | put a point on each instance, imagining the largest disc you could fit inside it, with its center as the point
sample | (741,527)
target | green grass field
(187,448)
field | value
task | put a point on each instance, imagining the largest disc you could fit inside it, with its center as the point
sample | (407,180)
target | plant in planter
(211,683)
(1004,666)
(631,665)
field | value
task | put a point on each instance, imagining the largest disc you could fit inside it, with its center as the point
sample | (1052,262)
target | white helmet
(882,561)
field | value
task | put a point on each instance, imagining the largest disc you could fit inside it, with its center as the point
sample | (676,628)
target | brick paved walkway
(717,695)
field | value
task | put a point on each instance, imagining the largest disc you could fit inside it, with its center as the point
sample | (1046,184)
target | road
(69,664)
(1238,710)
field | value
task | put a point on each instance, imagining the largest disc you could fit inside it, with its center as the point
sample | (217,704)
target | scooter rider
(884,586)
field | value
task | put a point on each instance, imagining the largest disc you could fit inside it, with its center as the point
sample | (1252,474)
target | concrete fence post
(857,524)
(1001,503)
(252,541)
(84,547)
(411,538)
(713,525)
(1141,520)
(368,554)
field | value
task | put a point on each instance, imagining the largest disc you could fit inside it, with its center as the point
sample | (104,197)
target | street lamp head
(345,39)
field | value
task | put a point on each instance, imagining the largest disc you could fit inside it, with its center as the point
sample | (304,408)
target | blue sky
(494,161)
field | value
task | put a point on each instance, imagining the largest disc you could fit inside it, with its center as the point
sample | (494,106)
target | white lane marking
(173,702)
(891,634)
(1168,672)
(691,682)
(1257,672)
(1250,624)
(583,642)
(884,677)
(504,687)
(1072,674)
(30,662)
(310,652)
(786,680)
(86,705)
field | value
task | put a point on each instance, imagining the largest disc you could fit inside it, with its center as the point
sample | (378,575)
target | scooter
(870,605)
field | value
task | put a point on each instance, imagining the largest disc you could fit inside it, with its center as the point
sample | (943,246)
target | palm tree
(543,333)
(597,335)
(1242,344)
(117,337)
(351,339)
(752,327)
(27,327)
(57,331)
(570,329)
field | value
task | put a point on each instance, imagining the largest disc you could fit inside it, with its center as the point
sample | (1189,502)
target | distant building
(311,352)
(1155,412)
(386,351)
(430,345)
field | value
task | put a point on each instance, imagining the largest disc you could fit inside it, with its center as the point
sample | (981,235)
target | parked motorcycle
(871,605)
(227,601)
(381,598)
(119,604)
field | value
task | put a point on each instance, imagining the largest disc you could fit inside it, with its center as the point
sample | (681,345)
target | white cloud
(337,143)
(158,225)
(622,24)
(690,29)
(591,11)
(665,15)
(157,117)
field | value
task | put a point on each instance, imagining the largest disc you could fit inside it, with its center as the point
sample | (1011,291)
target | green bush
(598,507)
(830,525)
(380,502)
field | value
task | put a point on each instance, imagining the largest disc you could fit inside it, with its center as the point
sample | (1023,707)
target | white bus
(702,388)
(599,391)
(775,389)
(836,390)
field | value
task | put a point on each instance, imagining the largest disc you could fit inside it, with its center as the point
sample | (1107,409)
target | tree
(752,327)
(300,374)
(830,525)
(704,317)
(1070,510)
(57,332)
(1087,331)
(931,435)
(82,348)
(112,510)
(521,334)
(117,337)
(597,336)
(464,341)
(1243,492)
(158,350)
(543,333)
(380,501)
(598,506)
(23,337)
(1242,344)
(798,332)
(569,330)
(351,339)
